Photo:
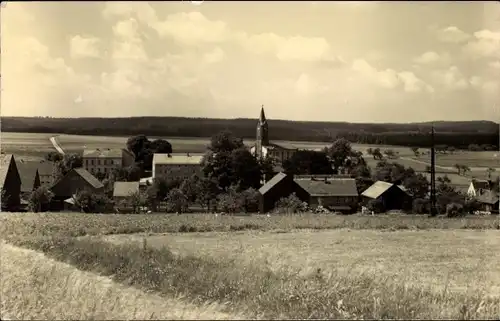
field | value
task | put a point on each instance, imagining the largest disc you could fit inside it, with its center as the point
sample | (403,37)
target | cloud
(452,34)
(495,64)
(451,79)
(214,56)
(486,43)
(389,78)
(491,87)
(431,57)
(81,47)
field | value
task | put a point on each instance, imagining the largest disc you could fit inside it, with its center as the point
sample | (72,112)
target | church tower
(262,138)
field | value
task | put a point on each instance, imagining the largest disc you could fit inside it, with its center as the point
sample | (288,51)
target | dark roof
(329,187)
(45,168)
(123,189)
(488,197)
(27,172)
(271,183)
(377,189)
(480,184)
(4,167)
(91,179)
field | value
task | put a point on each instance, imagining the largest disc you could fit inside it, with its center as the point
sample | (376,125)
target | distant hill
(459,134)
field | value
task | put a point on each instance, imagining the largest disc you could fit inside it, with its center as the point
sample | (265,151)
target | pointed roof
(262,118)
(5,161)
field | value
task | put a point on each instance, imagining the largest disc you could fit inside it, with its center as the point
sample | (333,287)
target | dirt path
(34,286)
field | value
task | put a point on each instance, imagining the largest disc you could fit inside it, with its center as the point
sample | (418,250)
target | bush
(454,210)
(250,200)
(230,202)
(177,202)
(421,206)
(291,204)
(471,206)
(376,205)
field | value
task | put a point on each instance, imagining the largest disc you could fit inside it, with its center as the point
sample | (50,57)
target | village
(231,178)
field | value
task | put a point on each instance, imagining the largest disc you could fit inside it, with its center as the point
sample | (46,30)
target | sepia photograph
(237,160)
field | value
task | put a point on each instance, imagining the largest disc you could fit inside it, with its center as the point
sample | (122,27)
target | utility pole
(433,174)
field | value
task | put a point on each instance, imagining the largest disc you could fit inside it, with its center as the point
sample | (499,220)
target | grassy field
(364,267)
(471,159)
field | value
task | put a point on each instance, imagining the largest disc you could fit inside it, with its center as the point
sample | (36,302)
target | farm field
(469,258)
(29,146)
(474,160)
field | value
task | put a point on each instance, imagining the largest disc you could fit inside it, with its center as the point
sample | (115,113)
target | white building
(176,166)
(105,160)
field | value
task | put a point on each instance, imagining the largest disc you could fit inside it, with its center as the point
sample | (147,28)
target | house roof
(488,197)
(377,189)
(123,189)
(103,153)
(271,183)
(45,168)
(480,184)
(4,167)
(281,145)
(177,159)
(329,186)
(91,179)
(27,172)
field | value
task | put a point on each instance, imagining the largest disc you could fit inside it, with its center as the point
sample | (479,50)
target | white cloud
(451,78)
(486,43)
(390,78)
(84,47)
(486,86)
(495,64)
(214,56)
(128,45)
(452,34)
(432,57)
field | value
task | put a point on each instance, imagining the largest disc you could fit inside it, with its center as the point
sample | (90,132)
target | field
(304,266)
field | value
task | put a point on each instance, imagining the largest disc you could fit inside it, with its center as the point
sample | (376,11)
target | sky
(327,61)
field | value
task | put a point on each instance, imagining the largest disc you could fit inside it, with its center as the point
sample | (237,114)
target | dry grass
(461,260)
(472,159)
(79,224)
(36,287)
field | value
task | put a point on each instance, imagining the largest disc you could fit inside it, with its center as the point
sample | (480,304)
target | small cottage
(391,195)
(489,202)
(281,185)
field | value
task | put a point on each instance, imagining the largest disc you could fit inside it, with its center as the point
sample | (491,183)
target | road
(56,145)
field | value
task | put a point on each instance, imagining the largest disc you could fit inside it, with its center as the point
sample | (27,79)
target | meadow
(301,266)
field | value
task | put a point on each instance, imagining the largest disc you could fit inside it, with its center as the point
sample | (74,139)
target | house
(391,195)
(264,148)
(30,178)
(176,166)
(334,193)
(281,185)
(122,190)
(10,184)
(105,160)
(478,187)
(47,172)
(489,201)
(78,179)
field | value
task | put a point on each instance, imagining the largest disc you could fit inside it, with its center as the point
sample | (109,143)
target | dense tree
(136,144)
(191,188)
(39,200)
(53,157)
(130,173)
(68,162)
(415,151)
(308,162)
(225,141)
(177,202)
(267,168)
(490,171)
(391,172)
(144,149)
(207,193)
(137,200)
(89,202)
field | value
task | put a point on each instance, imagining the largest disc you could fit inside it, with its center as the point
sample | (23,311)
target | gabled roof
(271,183)
(329,186)
(91,179)
(27,172)
(4,167)
(123,189)
(104,153)
(488,197)
(178,159)
(281,145)
(45,168)
(377,189)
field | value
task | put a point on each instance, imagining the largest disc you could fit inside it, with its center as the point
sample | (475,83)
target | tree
(225,141)
(267,168)
(376,206)
(369,151)
(246,172)
(69,162)
(250,200)
(290,205)
(377,154)
(415,151)
(451,149)
(230,201)
(421,206)
(308,162)
(39,200)
(130,173)
(89,202)
(5,200)
(137,200)
(53,157)
(208,191)
(417,185)
(465,169)
(144,149)
(176,201)
(136,144)
(191,187)
(458,167)
(490,171)
(343,157)
(390,153)
(474,147)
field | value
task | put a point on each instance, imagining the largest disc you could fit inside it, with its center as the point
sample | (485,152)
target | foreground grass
(77,224)
(458,260)
(36,287)
(261,292)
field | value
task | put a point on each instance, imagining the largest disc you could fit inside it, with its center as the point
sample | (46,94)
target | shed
(391,195)
(489,201)
(123,190)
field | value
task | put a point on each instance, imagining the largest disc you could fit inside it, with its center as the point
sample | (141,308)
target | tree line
(457,134)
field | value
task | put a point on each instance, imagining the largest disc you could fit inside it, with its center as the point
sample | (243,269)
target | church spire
(262,115)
